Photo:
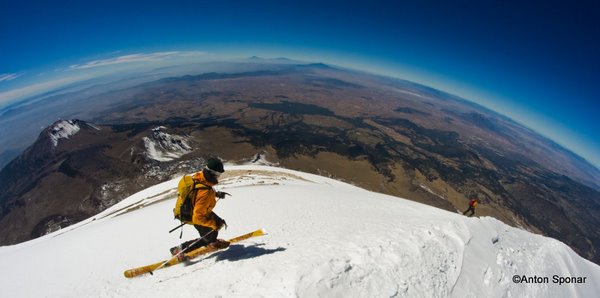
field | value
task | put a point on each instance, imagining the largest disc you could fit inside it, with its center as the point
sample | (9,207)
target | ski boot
(181,257)
(219,244)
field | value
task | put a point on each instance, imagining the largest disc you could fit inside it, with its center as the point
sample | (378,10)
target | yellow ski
(192,254)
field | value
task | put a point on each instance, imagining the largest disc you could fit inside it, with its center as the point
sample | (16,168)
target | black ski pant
(470,209)
(207,234)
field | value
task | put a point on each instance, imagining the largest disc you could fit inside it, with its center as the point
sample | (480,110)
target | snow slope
(326,239)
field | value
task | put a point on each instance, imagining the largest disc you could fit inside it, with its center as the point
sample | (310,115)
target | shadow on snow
(239,252)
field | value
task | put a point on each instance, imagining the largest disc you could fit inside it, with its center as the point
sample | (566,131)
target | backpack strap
(198,186)
(201,186)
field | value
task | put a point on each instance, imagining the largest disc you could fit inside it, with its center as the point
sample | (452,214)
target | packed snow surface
(326,239)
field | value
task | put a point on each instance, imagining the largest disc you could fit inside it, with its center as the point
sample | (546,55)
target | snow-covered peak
(63,130)
(327,239)
(162,146)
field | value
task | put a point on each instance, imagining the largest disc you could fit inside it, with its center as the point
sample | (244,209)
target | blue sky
(538,63)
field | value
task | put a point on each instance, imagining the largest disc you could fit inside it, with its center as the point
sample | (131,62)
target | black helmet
(215,164)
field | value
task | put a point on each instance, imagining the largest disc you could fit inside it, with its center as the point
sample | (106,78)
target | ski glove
(222,194)
(220,223)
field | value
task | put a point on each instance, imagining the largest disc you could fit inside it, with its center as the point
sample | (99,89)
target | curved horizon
(537,64)
(74,73)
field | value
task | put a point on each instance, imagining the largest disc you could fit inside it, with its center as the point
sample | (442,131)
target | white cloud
(158,56)
(5,77)
(88,70)
(8,96)
(193,54)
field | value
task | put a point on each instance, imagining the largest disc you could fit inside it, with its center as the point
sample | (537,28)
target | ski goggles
(213,172)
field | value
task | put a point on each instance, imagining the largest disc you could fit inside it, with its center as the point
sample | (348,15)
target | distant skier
(206,222)
(472,205)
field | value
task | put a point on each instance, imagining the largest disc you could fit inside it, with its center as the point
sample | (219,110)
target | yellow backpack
(186,198)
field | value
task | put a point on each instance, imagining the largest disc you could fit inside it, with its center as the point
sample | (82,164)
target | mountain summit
(327,239)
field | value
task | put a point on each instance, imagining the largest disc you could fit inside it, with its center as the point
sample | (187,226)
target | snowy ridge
(429,190)
(63,130)
(327,239)
(162,146)
(261,159)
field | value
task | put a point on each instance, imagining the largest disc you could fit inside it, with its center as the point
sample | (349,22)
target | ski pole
(179,226)
(176,255)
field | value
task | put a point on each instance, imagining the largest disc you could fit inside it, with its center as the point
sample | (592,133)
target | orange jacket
(473,203)
(206,199)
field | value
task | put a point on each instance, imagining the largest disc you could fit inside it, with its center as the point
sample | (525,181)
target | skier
(206,222)
(472,205)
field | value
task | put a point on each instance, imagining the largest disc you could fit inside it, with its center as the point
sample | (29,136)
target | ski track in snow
(326,239)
